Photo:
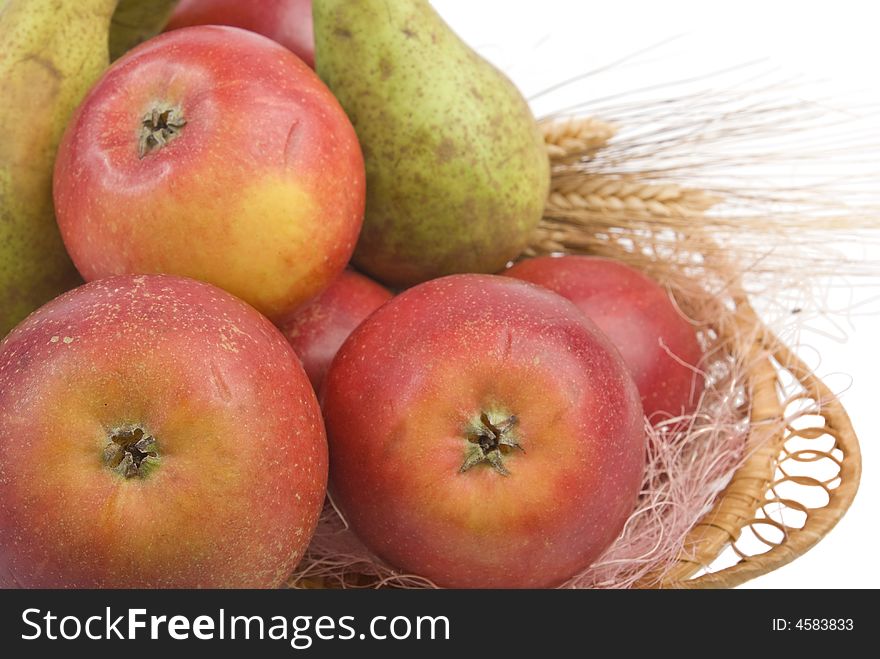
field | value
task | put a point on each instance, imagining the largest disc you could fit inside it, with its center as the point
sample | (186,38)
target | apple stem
(159,126)
(131,452)
(489,442)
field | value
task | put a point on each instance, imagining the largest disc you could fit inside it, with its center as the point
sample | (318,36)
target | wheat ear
(615,195)
(574,138)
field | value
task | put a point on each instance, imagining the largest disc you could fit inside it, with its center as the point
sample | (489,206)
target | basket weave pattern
(821,456)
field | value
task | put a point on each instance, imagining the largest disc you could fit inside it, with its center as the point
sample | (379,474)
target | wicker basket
(750,530)
(753,503)
(757,504)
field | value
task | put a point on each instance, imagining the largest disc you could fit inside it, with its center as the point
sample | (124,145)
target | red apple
(658,344)
(317,330)
(214,153)
(155,432)
(483,433)
(289,22)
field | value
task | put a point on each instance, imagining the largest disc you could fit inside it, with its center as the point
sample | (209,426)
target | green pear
(457,171)
(51,54)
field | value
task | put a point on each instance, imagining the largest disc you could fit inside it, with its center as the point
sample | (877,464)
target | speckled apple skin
(397,402)
(657,342)
(261,193)
(242,466)
(318,330)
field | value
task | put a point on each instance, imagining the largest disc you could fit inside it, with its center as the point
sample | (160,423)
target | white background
(834,49)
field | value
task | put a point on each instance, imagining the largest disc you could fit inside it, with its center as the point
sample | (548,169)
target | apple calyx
(490,441)
(131,452)
(159,126)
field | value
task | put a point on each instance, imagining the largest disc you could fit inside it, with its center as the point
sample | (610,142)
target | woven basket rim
(738,504)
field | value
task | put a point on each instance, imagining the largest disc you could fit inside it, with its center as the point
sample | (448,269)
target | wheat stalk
(584,209)
(575,138)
